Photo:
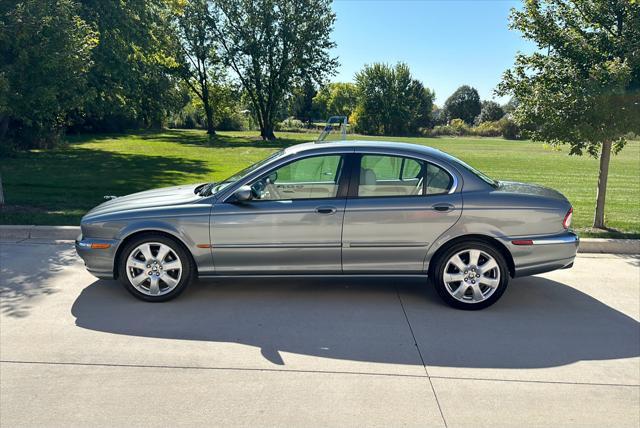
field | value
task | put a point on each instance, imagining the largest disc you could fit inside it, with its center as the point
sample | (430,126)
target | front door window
(314,177)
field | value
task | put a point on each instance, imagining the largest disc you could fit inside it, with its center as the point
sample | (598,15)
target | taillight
(567,218)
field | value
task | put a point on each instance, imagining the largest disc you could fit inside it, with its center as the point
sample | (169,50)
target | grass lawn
(57,187)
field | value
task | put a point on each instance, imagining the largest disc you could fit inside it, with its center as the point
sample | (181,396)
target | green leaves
(391,101)
(131,82)
(200,64)
(336,99)
(490,112)
(273,45)
(582,86)
(45,51)
(463,104)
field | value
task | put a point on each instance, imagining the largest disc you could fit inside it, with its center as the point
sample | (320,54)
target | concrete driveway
(561,349)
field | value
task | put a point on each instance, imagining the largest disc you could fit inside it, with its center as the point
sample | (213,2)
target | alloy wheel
(154,268)
(471,276)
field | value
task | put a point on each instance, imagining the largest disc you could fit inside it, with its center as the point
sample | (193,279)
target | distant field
(59,186)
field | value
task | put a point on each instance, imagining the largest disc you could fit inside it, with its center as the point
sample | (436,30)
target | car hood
(166,196)
(529,189)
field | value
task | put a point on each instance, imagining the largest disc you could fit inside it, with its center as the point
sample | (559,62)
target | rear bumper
(543,254)
(98,261)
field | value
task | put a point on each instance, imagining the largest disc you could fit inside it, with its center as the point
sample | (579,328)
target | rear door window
(387,175)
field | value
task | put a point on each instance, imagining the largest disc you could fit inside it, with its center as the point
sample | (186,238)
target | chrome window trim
(226,193)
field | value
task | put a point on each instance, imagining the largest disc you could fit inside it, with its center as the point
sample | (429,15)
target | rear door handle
(443,207)
(326,210)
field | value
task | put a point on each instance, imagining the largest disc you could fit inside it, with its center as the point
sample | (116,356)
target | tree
(463,104)
(391,101)
(336,99)
(45,50)
(200,65)
(301,102)
(582,87)
(438,116)
(490,112)
(273,45)
(131,81)
(510,106)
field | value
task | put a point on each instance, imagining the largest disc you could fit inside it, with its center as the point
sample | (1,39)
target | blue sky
(445,43)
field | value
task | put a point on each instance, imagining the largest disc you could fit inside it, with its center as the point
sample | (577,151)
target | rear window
(481,175)
(438,180)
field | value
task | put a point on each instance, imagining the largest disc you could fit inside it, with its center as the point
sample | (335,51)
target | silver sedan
(336,209)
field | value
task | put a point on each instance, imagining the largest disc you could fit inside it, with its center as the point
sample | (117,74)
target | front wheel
(155,268)
(471,275)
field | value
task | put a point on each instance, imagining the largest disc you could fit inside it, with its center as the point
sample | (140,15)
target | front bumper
(543,254)
(98,255)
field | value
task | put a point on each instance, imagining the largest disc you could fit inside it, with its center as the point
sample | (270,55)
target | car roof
(470,180)
(350,144)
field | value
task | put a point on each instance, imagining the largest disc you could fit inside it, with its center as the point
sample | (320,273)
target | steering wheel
(258,189)
(265,189)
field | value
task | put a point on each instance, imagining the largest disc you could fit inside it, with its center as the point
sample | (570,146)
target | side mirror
(243,194)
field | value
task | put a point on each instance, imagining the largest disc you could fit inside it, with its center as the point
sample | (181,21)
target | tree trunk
(1,192)
(266,131)
(605,156)
(211,130)
(4,126)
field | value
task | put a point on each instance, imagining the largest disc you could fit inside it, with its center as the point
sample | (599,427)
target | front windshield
(220,185)
(481,175)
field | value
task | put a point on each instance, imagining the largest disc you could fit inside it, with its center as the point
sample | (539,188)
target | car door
(293,224)
(397,207)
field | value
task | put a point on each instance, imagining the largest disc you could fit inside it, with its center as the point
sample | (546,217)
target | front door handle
(326,210)
(443,207)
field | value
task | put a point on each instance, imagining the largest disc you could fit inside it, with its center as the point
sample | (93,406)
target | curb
(62,233)
(70,233)
(614,246)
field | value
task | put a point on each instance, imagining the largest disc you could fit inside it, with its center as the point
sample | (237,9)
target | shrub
(232,120)
(510,131)
(504,127)
(187,119)
(290,124)
(488,129)
(456,127)
(192,117)
(460,126)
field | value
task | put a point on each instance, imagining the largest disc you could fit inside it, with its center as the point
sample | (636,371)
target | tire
(149,278)
(471,286)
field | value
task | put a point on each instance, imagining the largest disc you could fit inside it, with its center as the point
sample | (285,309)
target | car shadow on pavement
(538,323)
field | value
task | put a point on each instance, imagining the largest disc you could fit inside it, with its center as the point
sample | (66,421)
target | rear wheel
(155,268)
(471,275)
